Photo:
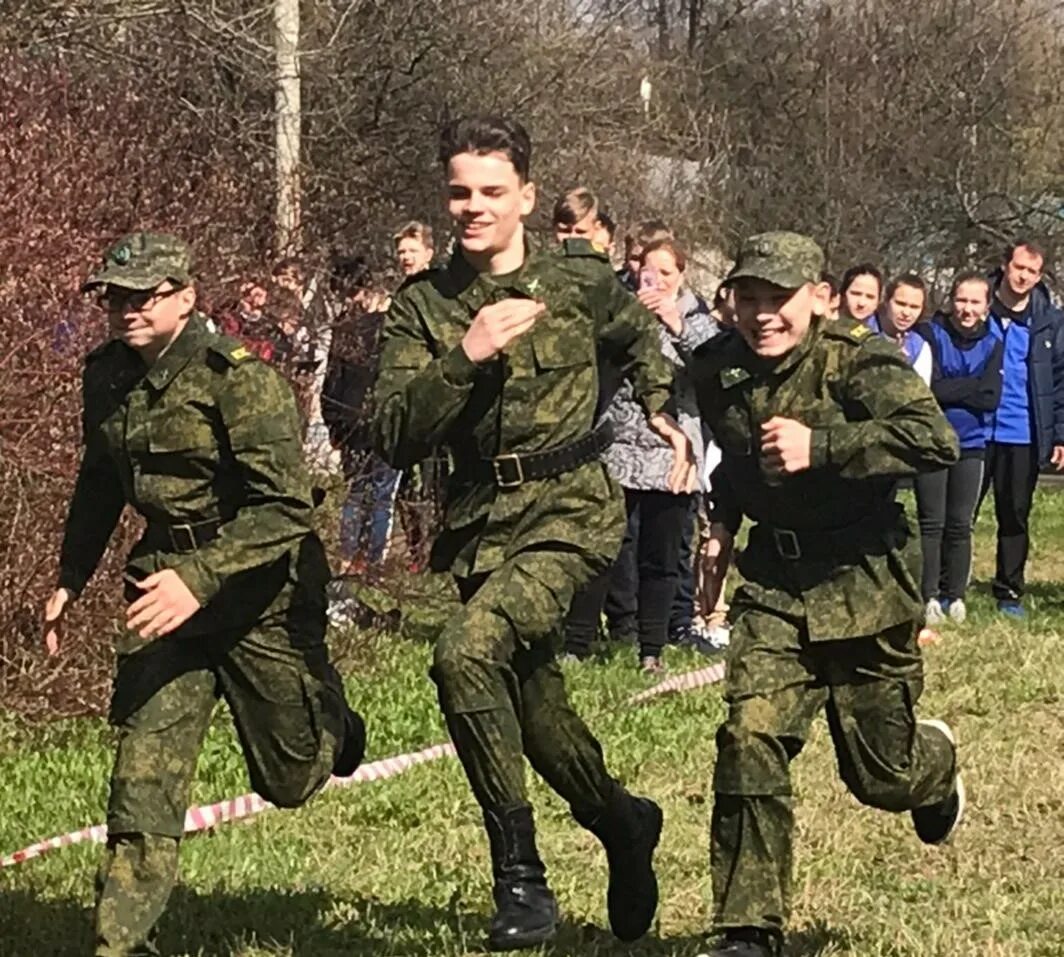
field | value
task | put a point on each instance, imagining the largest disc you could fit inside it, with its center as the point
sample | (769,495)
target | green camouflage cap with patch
(142,261)
(784,259)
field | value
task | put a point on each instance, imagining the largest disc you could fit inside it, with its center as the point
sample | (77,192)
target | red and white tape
(206,816)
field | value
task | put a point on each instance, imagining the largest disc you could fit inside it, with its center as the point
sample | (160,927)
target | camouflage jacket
(207,433)
(873,420)
(544,392)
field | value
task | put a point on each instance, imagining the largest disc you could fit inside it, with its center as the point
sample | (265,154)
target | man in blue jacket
(1027,432)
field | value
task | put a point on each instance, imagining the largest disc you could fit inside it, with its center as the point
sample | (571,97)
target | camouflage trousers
(777,682)
(501,689)
(288,706)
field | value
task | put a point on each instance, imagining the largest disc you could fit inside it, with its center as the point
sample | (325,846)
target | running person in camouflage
(815,420)
(496,356)
(226,587)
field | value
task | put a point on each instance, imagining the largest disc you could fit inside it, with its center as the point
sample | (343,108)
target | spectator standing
(414,248)
(576,215)
(367,513)
(835,300)
(896,320)
(639,460)
(862,289)
(1028,426)
(635,242)
(966,380)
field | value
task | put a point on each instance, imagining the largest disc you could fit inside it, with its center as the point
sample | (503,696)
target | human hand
(786,445)
(54,615)
(683,475)
(495,326)
(164,607)
(664,307)
(1057,459)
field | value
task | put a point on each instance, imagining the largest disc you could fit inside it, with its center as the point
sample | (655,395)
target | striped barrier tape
(208,816)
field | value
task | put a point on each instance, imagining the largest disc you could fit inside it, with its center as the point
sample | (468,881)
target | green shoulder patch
(583,247)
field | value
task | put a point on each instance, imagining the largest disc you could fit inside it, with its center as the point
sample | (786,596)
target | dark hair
(910,280)
(832,281)
(861,269)
(970,275)
(487,134)
(573,206)
(608,223)
(671,247)
(1021,242)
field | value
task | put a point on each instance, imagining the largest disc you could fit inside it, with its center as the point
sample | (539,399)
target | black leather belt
(187,537)
(515,468)
(826,543)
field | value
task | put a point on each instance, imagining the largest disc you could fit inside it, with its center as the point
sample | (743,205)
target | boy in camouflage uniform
(226,587)
(816,420)
(497,357)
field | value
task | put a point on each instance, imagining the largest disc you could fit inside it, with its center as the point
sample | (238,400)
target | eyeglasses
(117,299)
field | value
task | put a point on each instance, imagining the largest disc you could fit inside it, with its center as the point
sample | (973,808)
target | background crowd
(990,346)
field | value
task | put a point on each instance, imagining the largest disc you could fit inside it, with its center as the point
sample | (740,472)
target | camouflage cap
(784,259)
(142,261)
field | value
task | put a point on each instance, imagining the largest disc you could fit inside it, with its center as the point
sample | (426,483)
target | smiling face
(773,320)
(971,301)
(487,200)
(148,320)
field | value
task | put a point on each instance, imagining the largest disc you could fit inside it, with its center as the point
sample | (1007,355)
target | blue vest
(961,362)
(1012,421)
(911,342)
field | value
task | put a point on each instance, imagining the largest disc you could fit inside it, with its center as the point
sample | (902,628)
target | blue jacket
(1045,368)
(965,377)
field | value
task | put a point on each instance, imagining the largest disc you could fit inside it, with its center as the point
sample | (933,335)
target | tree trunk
(288,124)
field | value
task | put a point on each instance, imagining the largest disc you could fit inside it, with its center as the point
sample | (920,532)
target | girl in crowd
(862,287)
(966,379)
(639,460)
(896,320)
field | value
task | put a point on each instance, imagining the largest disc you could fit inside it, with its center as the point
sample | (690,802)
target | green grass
(400,867)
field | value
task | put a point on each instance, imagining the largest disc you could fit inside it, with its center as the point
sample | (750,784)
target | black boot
(629,829)
(526,914)
(353,748)
(747,942)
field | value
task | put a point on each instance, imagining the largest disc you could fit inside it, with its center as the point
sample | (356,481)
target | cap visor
(778,277)
(124,280)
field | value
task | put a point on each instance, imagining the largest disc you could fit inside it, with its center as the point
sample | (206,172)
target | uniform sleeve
(631,331)
(894,425)
(259,415)
(722,504)
(419,395)
(94,512)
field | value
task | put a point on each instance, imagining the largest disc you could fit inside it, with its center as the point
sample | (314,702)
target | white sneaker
(935,823)
(933,613)
(957,612)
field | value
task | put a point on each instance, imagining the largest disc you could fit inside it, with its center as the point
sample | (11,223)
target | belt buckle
(175,538)
(496,465)
(787,545)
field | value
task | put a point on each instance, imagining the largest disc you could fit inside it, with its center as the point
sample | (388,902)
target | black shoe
(526,914)
(935,823)
(747,942)
(353,749)
(629,829)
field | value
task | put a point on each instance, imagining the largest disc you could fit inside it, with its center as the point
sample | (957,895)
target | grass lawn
(400,867)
